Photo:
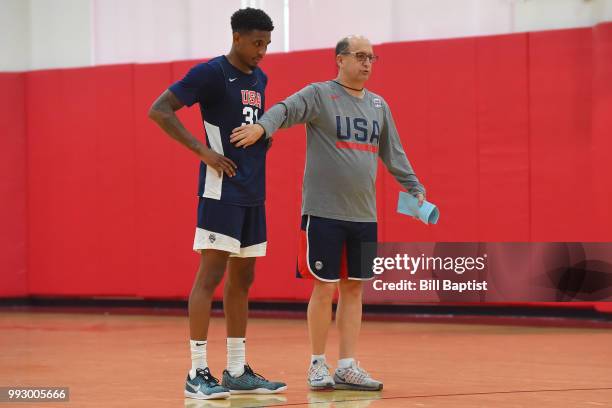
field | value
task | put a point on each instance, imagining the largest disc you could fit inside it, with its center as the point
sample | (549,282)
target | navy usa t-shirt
(228,98)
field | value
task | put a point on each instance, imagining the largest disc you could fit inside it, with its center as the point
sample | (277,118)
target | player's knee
(242,281)
(209,278)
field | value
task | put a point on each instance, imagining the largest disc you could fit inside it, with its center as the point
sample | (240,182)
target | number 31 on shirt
(249,113)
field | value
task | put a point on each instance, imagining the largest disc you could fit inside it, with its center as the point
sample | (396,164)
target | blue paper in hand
(409,204)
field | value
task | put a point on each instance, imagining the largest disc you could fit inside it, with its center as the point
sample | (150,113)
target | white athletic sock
(317,357)
(345,362)
(198,356)
(236,355)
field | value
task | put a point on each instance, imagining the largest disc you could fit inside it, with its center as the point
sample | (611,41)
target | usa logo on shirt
(377,103)
(251,98)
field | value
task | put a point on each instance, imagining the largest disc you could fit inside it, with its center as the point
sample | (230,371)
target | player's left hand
(246,135)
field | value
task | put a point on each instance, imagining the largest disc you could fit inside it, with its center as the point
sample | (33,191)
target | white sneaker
(319,377)
(355,378)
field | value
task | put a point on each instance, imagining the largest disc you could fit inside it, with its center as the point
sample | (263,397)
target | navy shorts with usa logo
(239,230)
(331,250)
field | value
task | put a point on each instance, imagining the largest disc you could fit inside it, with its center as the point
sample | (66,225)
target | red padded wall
(601,140)
(510,134)
(13,197)
(561,72)
(81,182)
(503,138)
(453,137)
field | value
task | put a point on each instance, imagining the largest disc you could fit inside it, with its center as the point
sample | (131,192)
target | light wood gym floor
(141,361)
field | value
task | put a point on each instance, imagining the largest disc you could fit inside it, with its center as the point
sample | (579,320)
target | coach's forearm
(414,187)
(397,163)
(273,119)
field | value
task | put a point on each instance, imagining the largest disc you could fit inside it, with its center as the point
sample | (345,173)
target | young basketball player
(348,128)
(231,224)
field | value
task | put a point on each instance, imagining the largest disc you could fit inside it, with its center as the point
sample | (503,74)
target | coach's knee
(323,292)
(351,289)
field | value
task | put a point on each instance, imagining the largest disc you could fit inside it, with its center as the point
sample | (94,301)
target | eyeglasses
(362,56)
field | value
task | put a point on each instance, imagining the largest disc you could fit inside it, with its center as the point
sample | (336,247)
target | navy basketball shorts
(331,250)
(239,230)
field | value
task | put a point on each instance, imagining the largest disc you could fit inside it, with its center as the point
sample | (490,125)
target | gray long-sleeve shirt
(345,136)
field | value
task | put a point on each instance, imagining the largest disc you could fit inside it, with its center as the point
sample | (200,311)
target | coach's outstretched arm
(393,156)
(301,107)
(163,112)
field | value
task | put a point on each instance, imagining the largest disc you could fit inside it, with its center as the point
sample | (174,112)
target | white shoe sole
(356,387)
(321,387)
(259,391)
(200,396)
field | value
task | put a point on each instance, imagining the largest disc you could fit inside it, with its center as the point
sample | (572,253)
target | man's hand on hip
(218,162)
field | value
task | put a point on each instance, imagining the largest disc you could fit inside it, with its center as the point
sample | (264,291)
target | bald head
(350,42)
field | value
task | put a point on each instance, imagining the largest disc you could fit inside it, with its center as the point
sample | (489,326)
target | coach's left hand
(246,135)
(421,198)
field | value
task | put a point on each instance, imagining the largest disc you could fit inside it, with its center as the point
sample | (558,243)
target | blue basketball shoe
(204,386)
(251,383)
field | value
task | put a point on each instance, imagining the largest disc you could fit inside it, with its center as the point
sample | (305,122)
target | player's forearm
(171,124)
